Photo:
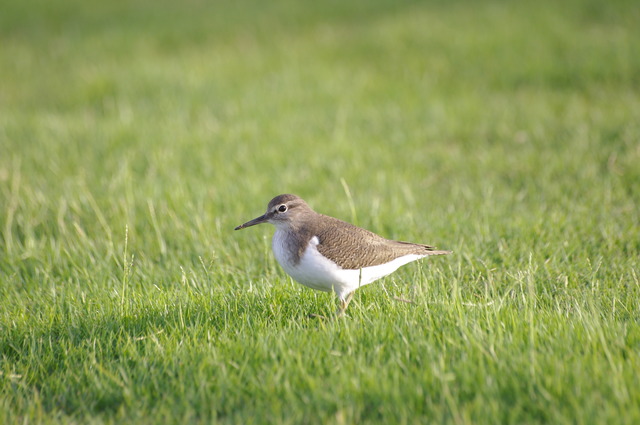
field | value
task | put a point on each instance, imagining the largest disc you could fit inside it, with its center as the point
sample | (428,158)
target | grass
(135,135)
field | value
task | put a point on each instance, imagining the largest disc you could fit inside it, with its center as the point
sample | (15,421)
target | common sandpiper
(328,254)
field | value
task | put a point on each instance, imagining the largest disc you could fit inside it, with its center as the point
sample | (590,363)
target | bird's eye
(282,208)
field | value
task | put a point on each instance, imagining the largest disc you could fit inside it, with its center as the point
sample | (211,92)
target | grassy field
(134,136)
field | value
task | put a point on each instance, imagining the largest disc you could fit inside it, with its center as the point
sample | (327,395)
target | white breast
(318,272)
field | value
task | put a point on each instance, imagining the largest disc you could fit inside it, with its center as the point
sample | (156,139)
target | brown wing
(352,247)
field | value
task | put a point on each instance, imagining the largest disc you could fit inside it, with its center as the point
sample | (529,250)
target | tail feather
(434,252)
(423,249)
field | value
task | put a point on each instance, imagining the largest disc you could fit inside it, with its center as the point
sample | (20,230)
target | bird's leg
(344,303)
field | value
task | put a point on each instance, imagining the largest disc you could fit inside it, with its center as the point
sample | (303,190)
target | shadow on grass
(109,357)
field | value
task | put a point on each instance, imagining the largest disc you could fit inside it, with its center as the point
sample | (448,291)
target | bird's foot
(338,314)
(404,300)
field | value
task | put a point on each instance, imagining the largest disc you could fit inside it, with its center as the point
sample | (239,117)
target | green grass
(134,136)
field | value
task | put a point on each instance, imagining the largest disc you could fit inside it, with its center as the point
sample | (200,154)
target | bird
(331,255)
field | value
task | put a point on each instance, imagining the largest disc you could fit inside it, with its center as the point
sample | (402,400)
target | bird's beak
(257,220)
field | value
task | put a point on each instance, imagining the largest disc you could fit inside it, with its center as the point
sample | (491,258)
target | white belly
(317,272)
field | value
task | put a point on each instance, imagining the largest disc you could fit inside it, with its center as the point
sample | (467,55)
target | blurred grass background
(135,135)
